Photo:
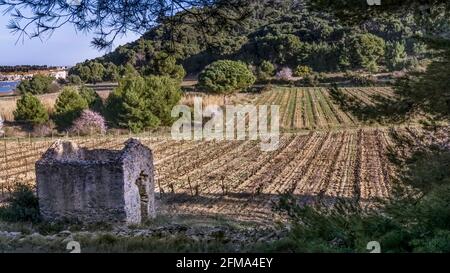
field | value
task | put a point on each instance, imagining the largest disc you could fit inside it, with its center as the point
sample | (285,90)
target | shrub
(22,205)
(140,103)
(39,84)
(68,107)
(361,80)
(75,79)
(372,67)
(284,74)
(43,130)
(93,100)
(30,109)
(266,70)
(312,80)
(89,123)
(395,56)
(226,77)
(303,71)
(412,64)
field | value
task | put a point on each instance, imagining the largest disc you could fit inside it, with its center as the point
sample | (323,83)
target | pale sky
(64,48)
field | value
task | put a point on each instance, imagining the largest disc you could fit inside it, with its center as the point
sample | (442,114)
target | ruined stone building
(96,185)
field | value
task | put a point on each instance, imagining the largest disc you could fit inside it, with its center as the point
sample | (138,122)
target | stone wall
(137,162)
(96,185)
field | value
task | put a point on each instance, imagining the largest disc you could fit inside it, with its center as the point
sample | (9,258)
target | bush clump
(311,80)
(226,77)
(265,70)
(39,84)
(303,71)
(23,206)
(30,109)
(75,80)
(361,80)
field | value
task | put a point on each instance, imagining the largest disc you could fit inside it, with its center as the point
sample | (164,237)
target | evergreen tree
(111,73)
(364,50)
(30,109)
(164,65)
(68,107)
(395,56)
(139,103)
(97,72)
(225,77)
(84,72)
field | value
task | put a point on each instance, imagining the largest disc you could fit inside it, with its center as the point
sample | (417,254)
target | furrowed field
(313,108)
(236,178)
(331,157)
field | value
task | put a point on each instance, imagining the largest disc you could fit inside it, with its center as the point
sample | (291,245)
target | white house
(60,74)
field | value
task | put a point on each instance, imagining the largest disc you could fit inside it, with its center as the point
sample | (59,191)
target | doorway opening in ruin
(142,183)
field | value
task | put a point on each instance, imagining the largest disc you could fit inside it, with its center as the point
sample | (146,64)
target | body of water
(6,87)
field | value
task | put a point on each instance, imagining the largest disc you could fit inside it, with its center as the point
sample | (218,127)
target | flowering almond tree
(88,123)
(284,74)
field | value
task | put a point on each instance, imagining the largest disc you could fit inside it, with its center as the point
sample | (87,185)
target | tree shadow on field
(260,207)
(383,110)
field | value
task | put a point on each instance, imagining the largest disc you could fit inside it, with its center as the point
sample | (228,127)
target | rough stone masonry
(96,185)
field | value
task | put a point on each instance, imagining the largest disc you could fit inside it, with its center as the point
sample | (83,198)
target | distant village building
(96,185)
(15,77)
(59,74)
